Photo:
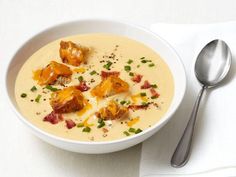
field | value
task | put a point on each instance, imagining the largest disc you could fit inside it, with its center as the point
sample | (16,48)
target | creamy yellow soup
(121,52)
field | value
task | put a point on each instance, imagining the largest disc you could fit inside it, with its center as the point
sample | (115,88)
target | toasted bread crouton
(72,53)
(51,73)
(112,111)
(68,100)
(110,86)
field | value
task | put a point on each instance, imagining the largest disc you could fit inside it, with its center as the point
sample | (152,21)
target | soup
(94,87)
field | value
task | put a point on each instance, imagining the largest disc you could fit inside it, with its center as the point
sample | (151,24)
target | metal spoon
(211,67)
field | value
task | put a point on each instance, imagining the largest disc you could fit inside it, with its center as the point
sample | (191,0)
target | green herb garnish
(93,72)
(143,94)
(144,61)
(79,125)
(100,120)
(131,74)
(102,124)
(151,65)
(145,104)
(130,61)
(138,66)
(53,89)
(132,130)
(138,131)
(154,97)
(86,129)
(33,89)
(80,78)
(128,102)
(154,85)
(108,65)
(123,102)
(126,133)
(23,95)
(127,68)
(142,58)
(37,99)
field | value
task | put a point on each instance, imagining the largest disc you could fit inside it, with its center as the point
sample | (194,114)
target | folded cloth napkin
(214,144)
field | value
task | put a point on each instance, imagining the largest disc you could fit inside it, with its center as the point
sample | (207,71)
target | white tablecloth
(214,144)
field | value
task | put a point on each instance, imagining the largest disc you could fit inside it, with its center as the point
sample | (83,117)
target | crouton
(68,100)
(112,111)
(51,73)
(72,53)
(110,86)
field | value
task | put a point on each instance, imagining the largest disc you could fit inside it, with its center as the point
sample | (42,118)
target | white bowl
(96,26)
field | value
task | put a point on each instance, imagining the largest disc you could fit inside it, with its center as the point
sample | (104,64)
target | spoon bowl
(211,67)
(213,63)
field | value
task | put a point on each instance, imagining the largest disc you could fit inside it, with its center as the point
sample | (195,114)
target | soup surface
(119,87)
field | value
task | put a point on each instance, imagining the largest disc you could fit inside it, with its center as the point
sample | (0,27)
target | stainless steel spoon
(211,67)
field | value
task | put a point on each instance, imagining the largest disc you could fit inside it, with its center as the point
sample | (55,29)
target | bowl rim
(160,123)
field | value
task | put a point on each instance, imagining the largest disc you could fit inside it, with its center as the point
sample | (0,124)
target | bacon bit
(154,93)
(105,130)
(53,118)
(70,124)
(146,85)
(133,121)
(137,107)
(105,74)
(137,78)
(82,86)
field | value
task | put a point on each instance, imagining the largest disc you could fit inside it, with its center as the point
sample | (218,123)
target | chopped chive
(128,102)
(93,72)
(154,97)
(53,89)
(143,94)
(100,120)
(144,61)
(23,95)
(108,65)
(86,129)
(154,85)
(138,66)
(80,78)
(151,65)
(127,68)
(102,124)
(123,102)
(131,74)
(130,61)
(37,99)
(142,58)
(33,89)
(126,133)
(138,131)
(145,104)
(79,125)
(132,130)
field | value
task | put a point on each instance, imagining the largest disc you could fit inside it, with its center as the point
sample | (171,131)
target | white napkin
(214,144)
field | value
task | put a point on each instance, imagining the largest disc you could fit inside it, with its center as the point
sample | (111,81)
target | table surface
(25,155)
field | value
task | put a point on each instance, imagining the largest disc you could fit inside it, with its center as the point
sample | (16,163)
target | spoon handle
(181,154)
